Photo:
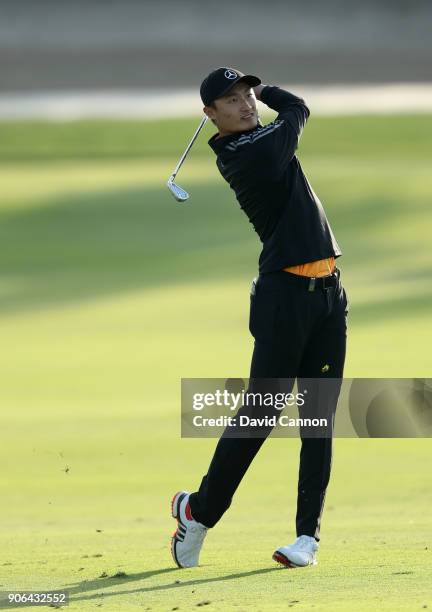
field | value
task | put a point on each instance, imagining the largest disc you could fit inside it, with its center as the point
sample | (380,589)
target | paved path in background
(154,104)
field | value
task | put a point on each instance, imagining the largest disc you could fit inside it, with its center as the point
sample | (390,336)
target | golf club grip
(194,137)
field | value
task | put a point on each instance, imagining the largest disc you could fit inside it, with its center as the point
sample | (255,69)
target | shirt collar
(218,144)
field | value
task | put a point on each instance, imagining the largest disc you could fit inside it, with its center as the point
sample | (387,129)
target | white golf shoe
(188,539)
(300,554)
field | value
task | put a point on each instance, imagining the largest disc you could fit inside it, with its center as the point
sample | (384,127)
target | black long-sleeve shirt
(261,167)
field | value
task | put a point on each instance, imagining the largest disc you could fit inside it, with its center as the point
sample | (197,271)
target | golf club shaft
(194,137)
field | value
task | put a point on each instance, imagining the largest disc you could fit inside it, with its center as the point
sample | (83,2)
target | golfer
(298,305)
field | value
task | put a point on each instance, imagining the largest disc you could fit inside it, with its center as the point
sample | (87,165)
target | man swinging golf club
(298,305)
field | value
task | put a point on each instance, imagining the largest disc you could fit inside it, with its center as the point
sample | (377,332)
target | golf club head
(180,194)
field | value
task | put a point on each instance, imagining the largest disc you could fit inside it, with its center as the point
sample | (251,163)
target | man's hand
(258,89)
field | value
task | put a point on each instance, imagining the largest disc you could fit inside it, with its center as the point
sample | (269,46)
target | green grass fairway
(110,292)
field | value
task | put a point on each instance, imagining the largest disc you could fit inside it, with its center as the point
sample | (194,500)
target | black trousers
(299,327)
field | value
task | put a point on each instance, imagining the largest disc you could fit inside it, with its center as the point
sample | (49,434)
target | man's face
(235,111)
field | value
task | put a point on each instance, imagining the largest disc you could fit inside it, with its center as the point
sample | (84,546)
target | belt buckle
(312,283)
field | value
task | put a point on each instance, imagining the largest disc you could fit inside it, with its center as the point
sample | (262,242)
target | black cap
(218,82)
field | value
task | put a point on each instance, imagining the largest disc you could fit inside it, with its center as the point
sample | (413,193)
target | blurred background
(110,291)
(133,43)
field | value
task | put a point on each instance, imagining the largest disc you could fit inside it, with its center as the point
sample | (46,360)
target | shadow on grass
(93,246)
(100,584)
(89,246)
(358,137)
(161,587)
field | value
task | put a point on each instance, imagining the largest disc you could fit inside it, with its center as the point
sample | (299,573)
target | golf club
(180,194)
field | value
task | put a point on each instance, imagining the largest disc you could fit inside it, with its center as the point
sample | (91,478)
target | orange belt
(322,267)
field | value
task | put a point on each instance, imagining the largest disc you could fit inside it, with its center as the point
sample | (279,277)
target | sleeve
(270,149)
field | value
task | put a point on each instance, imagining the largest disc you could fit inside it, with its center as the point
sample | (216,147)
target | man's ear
(209,111)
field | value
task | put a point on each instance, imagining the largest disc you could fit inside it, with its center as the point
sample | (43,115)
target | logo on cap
(230,74)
